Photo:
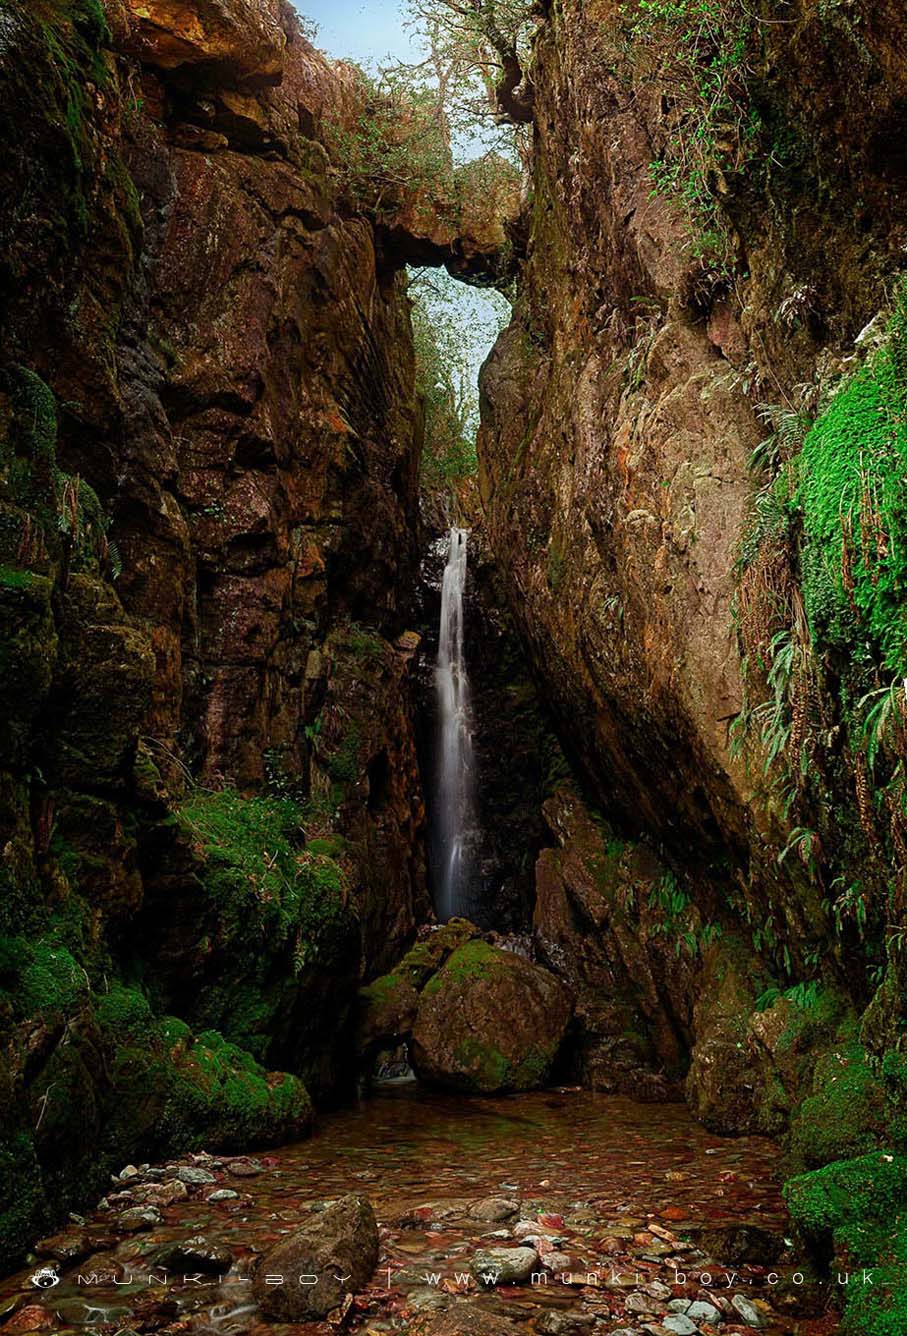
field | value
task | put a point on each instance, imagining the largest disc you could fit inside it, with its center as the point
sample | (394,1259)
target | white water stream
(455,820)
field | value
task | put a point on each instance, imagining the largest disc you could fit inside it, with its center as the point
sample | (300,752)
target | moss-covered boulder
(853,1215)
(387,1006)
(181,1092)
(489,1021)
(88,1080)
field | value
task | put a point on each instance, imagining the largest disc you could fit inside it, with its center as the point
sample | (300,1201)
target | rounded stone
(489,1021)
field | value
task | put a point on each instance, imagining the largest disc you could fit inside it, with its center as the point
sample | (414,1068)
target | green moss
(486,1064)
(343,764)
(18,579)
(276,908)
(39,975)
(365,644)
(849,1196)
(381,989)
(846,1116)
(474,960)
(880,1309)
(425,958)
(124,1012)
(215,1093)
(856,1212)
(175,1093)
(267,885)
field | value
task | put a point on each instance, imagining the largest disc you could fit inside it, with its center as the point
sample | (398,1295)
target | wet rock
(31,1318)
(504,1266)
(163,1194)
(556,1261)
(747,1311)
(742,1243)
(66,1247)
(680,1324)
(223,1194)
(697,1310)
(200,1254)
(245,1168)
(640,1303)
(565,1324)
(494,1209)
(137,1218)
(461,1039)
(465,1318)
(338,1248)
(195,1177)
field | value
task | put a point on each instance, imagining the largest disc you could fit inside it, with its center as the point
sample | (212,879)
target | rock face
(621,409)
(489,1021)
(334,1255)
(672,429)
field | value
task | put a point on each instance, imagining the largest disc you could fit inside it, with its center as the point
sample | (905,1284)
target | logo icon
(45,1278)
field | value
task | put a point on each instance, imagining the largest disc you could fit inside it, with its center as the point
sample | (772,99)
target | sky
(363,30)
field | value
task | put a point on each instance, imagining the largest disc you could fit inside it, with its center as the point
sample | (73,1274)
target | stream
(618,1192)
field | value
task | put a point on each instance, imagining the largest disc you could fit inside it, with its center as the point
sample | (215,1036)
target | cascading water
(455,823)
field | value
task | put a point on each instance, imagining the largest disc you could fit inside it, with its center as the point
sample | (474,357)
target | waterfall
(455,819)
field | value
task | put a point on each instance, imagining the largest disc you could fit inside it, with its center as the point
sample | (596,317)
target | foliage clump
(854,509)
(697,52)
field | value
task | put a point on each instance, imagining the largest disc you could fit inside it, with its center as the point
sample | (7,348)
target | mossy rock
(386,1011)
(846,1116)
(489,1021)
(24,1212)
(267,924)
(28,648)
(427,956)
(387,1007)
(104,682)
(175,1091)
(853,1214)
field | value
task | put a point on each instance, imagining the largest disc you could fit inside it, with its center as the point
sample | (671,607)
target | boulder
(489,1021)
(338,1247)
(387,1006)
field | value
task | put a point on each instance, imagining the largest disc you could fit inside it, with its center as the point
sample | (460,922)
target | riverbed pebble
(200,1254)
(747,1311)
(504,1266)
(680,1325)
(697,1310)
(137,1218)
(640,1303)
(188,1173)
(494,1209)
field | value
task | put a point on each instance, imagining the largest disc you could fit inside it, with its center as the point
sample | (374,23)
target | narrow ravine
(453,668)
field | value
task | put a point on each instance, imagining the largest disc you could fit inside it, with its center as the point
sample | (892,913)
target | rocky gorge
(685,634)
